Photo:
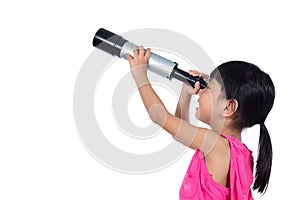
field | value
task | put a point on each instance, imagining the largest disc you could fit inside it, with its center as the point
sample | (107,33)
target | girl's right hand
(188,89)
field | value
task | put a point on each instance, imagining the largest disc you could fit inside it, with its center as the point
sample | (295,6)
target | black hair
(255,93)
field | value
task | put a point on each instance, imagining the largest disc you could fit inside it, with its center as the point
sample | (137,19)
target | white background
(43,45)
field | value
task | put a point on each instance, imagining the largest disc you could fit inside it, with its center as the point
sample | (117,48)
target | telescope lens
(108,42)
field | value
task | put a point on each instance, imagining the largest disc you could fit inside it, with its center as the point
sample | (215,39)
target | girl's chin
(197,115)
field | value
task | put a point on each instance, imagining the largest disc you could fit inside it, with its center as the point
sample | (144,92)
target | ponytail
(264,161)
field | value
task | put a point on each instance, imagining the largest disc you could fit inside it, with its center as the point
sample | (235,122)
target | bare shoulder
(215,144)
(218,161)
(222,144)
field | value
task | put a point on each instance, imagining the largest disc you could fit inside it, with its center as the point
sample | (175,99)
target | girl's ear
(231,107)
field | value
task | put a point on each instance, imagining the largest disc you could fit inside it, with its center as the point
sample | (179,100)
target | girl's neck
(231,132)
(236,135)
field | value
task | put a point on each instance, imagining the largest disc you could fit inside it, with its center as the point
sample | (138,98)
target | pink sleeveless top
(198,184)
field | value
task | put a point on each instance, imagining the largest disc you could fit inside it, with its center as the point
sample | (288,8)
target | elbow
(158,114)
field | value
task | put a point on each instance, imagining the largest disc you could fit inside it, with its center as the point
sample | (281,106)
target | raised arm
(192,136)
(183,105)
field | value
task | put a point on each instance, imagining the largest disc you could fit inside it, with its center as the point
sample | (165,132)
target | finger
(142,51)
(135,51)
(205,77)
(191,71)
(129,57)
(196,88)
(148,53)
(195,74)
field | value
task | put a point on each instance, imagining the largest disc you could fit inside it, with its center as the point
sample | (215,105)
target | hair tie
(262,126)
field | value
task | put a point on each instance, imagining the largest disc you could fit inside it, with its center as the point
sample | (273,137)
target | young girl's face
(212,103)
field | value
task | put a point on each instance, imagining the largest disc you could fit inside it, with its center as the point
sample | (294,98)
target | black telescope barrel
(187,78)
(108,42)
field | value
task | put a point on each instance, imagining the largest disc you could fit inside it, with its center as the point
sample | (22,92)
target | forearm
(151,100)
(153,104)
(183,106)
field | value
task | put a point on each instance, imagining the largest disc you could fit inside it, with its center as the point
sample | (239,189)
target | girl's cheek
(203,112)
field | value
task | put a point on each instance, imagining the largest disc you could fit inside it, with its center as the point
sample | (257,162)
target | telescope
(118,46)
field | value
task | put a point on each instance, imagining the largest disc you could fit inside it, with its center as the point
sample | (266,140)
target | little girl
(238,95)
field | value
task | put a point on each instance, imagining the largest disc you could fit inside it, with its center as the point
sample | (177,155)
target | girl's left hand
(139,61)
(188,89)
